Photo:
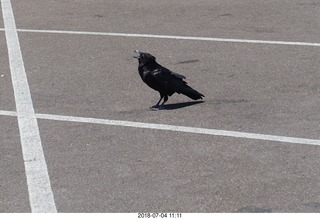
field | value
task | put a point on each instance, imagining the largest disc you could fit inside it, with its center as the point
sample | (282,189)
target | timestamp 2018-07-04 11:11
(160,215)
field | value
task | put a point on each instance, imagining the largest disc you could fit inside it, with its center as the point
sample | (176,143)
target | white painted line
(7,113)
(212,39)
(40,192)
(186,129)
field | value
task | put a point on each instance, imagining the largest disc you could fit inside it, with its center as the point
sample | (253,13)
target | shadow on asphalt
(174,106)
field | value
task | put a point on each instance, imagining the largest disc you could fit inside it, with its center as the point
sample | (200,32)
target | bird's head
(143,57)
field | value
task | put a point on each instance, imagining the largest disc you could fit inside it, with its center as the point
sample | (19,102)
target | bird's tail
(192,93)
(183,88)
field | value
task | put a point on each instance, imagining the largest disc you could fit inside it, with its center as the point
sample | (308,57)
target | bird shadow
(173,106)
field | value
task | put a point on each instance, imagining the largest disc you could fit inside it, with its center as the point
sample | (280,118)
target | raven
(162,79)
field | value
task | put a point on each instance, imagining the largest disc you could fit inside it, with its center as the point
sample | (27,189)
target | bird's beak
(136,54)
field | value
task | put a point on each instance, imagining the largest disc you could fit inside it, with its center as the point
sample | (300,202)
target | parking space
(6,91)
(252,88)
(293,20)
(13,189)
(270,89)
(116,169)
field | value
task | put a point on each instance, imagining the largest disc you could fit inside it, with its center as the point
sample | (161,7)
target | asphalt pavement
(266,88)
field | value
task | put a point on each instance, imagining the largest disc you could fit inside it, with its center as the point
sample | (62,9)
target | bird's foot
(156,107)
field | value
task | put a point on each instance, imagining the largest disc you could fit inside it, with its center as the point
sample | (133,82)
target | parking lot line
(39,188)
(7,113)
(207,131)
(212,39)
(187,129)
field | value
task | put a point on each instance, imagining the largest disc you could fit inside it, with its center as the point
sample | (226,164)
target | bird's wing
(178,75)
(161,74)
(164,74)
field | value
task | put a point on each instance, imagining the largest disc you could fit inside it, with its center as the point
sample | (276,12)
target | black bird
(162,79)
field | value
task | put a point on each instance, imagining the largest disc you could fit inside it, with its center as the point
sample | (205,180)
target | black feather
(162,79)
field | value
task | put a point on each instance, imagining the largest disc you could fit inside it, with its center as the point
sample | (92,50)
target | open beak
(136,54)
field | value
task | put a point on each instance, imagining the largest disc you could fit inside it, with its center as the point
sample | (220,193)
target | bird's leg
(164,100)
(157,105)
